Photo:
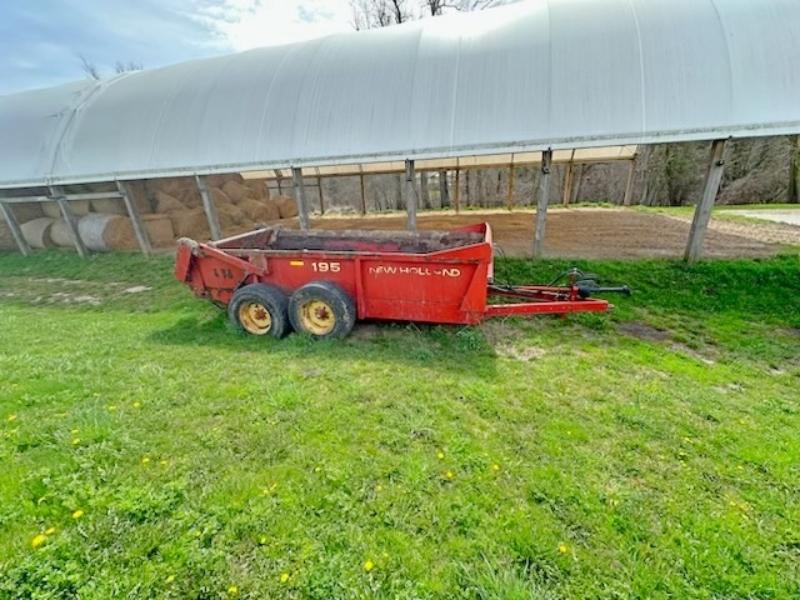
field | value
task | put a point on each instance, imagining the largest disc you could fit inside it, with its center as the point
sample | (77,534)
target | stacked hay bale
(24,213)
(170,208)
(241,204)
(102,224)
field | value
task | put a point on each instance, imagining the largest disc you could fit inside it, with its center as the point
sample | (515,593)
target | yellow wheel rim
(317,317)
(255,318)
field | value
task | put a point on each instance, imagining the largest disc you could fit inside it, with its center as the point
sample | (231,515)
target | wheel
(322,309)
(259,309)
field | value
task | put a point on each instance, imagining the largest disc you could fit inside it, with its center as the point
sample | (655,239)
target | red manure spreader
(320,282)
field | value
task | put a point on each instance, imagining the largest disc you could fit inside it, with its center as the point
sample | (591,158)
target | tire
(323,310)
(259,309)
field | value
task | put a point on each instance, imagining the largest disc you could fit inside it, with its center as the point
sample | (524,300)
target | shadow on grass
(445,348)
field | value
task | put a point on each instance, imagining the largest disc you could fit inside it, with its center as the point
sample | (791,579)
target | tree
(373,14)
(89,68)
(120,67)
(437,7)
(92,72)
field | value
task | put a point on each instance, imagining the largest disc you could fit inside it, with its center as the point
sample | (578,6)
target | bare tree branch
(89,68)
(121,67)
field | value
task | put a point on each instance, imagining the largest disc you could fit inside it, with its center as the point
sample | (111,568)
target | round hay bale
(166,204)
(6,238)
(173,186)
(60,234)
(29,211)
(287,207)
(220,198)
(229,215)
(109,206)
(92,229)
(235,191)
(50,209)
(80,208)
(258,188)
(260,211)
(159,230)
(191,223)
(190,198)
(37,232)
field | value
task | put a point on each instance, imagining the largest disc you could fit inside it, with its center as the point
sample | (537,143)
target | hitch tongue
(587,288)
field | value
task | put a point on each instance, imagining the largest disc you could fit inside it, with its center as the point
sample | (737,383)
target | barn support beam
(363,193)
(300,197)
(510,199)
(424,191)
(626,199)
(16,232)
(569,180)
(457,193)
(138,226)
(541,204)
(209,207)
(321,196)
(702,214)
(57,195)
(411,196)
(444,192)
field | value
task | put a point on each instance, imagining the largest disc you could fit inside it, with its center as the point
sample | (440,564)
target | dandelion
(368,565)
(11,418)
(137,405)
(262,540)
(563,548)
(50,531)
(495,467)
(76,441)
(449,475)
(170,579)
(38,540)
(77,514)
(145,460)
(284,577)
(440,455)
(233,590)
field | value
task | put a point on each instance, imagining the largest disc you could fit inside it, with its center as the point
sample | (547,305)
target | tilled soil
(585,233)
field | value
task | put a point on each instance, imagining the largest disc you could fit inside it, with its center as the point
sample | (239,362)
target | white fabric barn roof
(545,73)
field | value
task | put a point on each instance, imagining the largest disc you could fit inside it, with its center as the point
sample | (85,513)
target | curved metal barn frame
(536,77)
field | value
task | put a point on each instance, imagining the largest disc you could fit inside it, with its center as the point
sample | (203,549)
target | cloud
(244,24)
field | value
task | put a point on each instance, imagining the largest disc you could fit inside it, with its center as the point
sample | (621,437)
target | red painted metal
(449,284)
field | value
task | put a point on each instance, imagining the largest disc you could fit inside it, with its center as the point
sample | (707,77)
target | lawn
(149,451)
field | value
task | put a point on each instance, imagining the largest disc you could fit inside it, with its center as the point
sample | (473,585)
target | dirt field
(593,233)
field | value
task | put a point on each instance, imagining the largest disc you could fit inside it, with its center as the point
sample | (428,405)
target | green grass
(652,452)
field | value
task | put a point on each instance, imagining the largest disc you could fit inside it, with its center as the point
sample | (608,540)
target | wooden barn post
(138,226)
(59,197)
(16,232)
(541,204)
(209,207)
(300,197)
(702,214)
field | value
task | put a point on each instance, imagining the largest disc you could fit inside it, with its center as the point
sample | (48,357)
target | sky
(42,41)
